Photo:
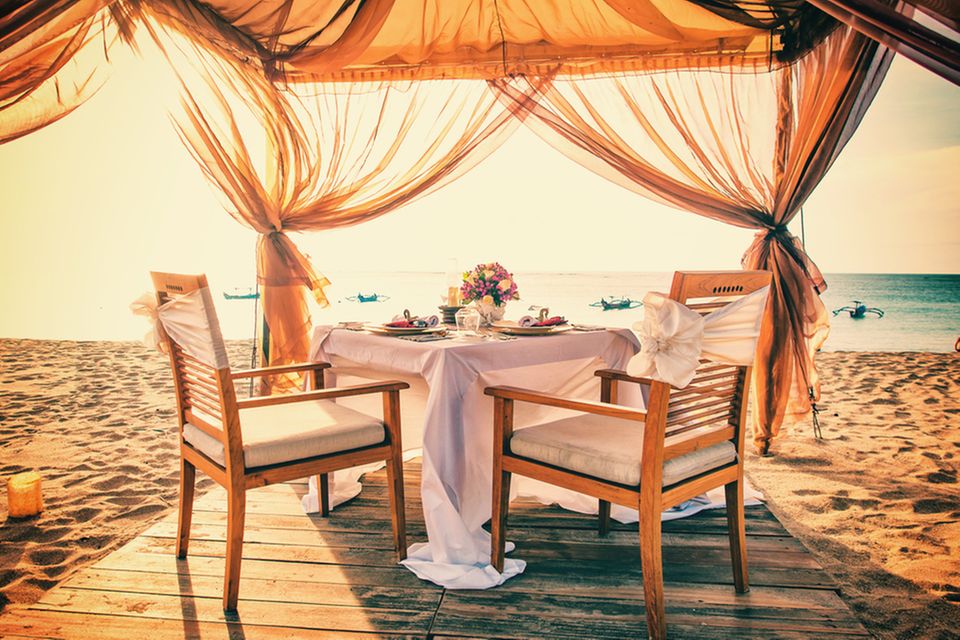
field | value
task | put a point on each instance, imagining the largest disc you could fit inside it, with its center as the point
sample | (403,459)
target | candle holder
(450,313)
(24,497)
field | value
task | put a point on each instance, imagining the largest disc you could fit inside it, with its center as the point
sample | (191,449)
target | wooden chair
(688,441)
(244,444)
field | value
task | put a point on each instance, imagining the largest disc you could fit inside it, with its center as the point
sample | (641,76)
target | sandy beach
(876,501)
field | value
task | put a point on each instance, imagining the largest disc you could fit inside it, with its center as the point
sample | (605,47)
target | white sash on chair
(674,337)
(190,321)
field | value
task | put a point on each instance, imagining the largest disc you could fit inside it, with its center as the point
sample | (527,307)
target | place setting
(543,325)
(410,327)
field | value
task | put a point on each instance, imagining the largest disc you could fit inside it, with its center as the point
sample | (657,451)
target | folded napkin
(413,322)
(589,327)
(530,321)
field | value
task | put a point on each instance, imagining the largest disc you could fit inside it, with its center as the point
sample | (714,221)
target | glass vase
(490,313)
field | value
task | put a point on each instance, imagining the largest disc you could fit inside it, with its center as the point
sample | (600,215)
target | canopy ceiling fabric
(42,80)
(742,148)
(359,40)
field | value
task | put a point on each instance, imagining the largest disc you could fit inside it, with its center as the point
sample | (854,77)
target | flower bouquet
(490,287)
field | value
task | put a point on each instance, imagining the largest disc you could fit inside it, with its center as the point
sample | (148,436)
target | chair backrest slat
(716,389)
(714,401)
(692,410)
(197,384)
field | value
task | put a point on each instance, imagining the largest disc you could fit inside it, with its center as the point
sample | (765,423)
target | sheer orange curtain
(741,145)
(51,58)
(342,154)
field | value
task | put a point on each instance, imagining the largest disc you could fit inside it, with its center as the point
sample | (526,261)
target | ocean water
(921,311)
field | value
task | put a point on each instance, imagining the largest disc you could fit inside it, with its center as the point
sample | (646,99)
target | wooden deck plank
(70,626)
(265,569)
(276,614)
(495,613)
(305,576)
(270,590)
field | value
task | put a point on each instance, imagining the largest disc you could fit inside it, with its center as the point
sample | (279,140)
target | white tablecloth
(446,412)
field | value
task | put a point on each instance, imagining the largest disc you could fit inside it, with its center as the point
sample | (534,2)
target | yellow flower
(487,274)
(505,284)
(487,299)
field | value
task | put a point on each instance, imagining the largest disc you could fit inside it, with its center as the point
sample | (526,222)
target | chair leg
(651,565)
(323,488)
(398,513)
(604,517)
(236,511)
(188,478)
(736,527)
(498,520)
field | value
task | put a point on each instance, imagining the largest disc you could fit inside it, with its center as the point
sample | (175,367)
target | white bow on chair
(674,338)
(146,306)
(189,320)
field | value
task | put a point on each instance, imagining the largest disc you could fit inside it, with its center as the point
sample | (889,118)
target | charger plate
(383,329)
(514,329)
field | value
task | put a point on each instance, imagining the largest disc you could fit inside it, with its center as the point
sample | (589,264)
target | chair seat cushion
(609,449)
(295,431)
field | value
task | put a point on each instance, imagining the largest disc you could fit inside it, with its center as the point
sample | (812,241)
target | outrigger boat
(373,297)
(242,294)
(615,304)
(859,310)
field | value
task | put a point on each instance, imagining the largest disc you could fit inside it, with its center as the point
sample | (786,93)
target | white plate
(512,328)
(402,331)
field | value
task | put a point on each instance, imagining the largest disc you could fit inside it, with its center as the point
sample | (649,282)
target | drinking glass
(468,321)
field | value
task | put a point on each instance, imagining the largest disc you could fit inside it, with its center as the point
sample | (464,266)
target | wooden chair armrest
(588,406)
(324,394)
(279,369)
(614,374)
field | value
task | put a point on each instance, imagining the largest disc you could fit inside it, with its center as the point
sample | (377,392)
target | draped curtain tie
(281,264)
(757,255)
(779,231)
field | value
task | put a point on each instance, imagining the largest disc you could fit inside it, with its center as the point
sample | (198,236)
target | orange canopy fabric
(366,40)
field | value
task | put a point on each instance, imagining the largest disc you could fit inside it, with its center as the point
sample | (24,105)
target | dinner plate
(402,331)
(512,328)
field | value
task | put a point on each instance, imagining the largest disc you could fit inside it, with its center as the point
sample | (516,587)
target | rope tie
(815,414)
(777,230)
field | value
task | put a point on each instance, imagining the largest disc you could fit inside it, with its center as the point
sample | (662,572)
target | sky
(92,203)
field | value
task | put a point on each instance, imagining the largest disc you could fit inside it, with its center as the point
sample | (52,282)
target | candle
(24,497)
(453,296)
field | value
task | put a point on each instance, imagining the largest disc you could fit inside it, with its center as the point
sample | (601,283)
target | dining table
(447,419)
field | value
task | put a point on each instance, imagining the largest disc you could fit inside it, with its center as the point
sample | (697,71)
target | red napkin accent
(400,324)
(550,322)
